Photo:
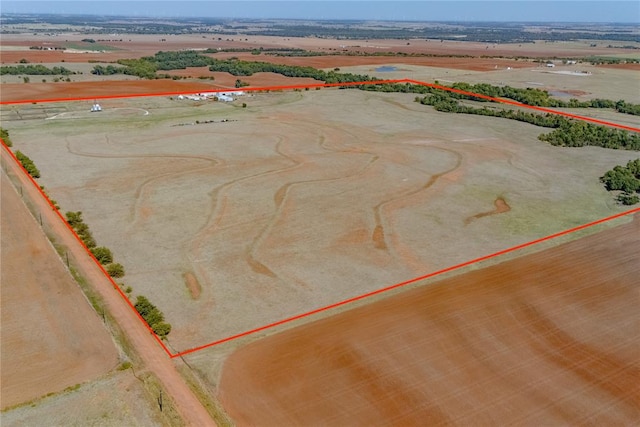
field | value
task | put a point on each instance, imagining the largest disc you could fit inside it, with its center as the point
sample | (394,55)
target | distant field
(301,199)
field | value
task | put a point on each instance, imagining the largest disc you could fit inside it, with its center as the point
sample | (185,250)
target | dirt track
(145,345)
(546,339)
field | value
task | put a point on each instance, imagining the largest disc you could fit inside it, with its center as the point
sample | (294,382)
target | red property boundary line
(321,85)
(349,300)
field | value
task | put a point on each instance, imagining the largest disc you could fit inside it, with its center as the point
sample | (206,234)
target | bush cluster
(153,316)
(34,70)
(28,164)
(4,135)
(625,179)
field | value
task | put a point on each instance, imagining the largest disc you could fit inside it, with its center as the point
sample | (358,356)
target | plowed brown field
(546,339)
(51,337)
(75,90)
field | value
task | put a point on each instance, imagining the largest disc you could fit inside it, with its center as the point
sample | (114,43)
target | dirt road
(152,355)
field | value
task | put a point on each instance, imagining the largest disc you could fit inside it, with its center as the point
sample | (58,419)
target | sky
(424,10)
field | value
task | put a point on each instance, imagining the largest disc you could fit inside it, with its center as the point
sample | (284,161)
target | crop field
(52,339)
(230,218)
(549,338)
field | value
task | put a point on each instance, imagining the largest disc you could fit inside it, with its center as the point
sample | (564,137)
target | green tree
(74,218)
(103,255)
(115,270)
(162,329)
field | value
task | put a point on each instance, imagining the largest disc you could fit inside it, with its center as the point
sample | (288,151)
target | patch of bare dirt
(548,338)
(193,286)
(501,206)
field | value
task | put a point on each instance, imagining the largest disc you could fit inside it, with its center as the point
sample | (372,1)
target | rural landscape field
(245,187)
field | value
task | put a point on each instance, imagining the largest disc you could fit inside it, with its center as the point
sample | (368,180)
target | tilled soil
(546,339)
(51,337)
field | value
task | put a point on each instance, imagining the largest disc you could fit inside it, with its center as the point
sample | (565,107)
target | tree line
(148,67)
(567,133)
(37,70)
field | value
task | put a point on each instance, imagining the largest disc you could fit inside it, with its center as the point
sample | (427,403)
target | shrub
(115,270)
(162,329)
(103,255)
(74,218)
(4,135)
(628,198)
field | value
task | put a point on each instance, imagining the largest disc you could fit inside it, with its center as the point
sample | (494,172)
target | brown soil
(545,339)
(75,90)
(192,285)
(501,207)
(51,337)
(143,343)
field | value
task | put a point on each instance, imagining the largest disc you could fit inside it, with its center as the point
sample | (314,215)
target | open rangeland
(546,339)
(51,337)
(116,400)
(230,218)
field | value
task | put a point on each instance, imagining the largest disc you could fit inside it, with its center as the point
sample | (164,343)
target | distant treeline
(148,67)
(567,133)
(489,32)
(529,96)
(34,70)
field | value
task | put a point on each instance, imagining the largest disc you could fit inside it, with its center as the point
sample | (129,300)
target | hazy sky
(452,10)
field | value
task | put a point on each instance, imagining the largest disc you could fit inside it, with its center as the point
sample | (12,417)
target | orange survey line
(405,283)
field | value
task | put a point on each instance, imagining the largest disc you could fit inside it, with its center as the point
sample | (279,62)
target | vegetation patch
(34,70)
(153,316)
(4,135)
(28,164)
(625,180)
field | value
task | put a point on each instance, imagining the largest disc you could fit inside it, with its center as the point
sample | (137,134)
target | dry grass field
(302,199)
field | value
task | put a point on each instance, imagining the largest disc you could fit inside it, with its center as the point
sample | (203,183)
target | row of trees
(153,316)
(28,164)
(148,67)
(567,133)
(626,180)
(101,253)
(34,70)
(149,312)
(540,98)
